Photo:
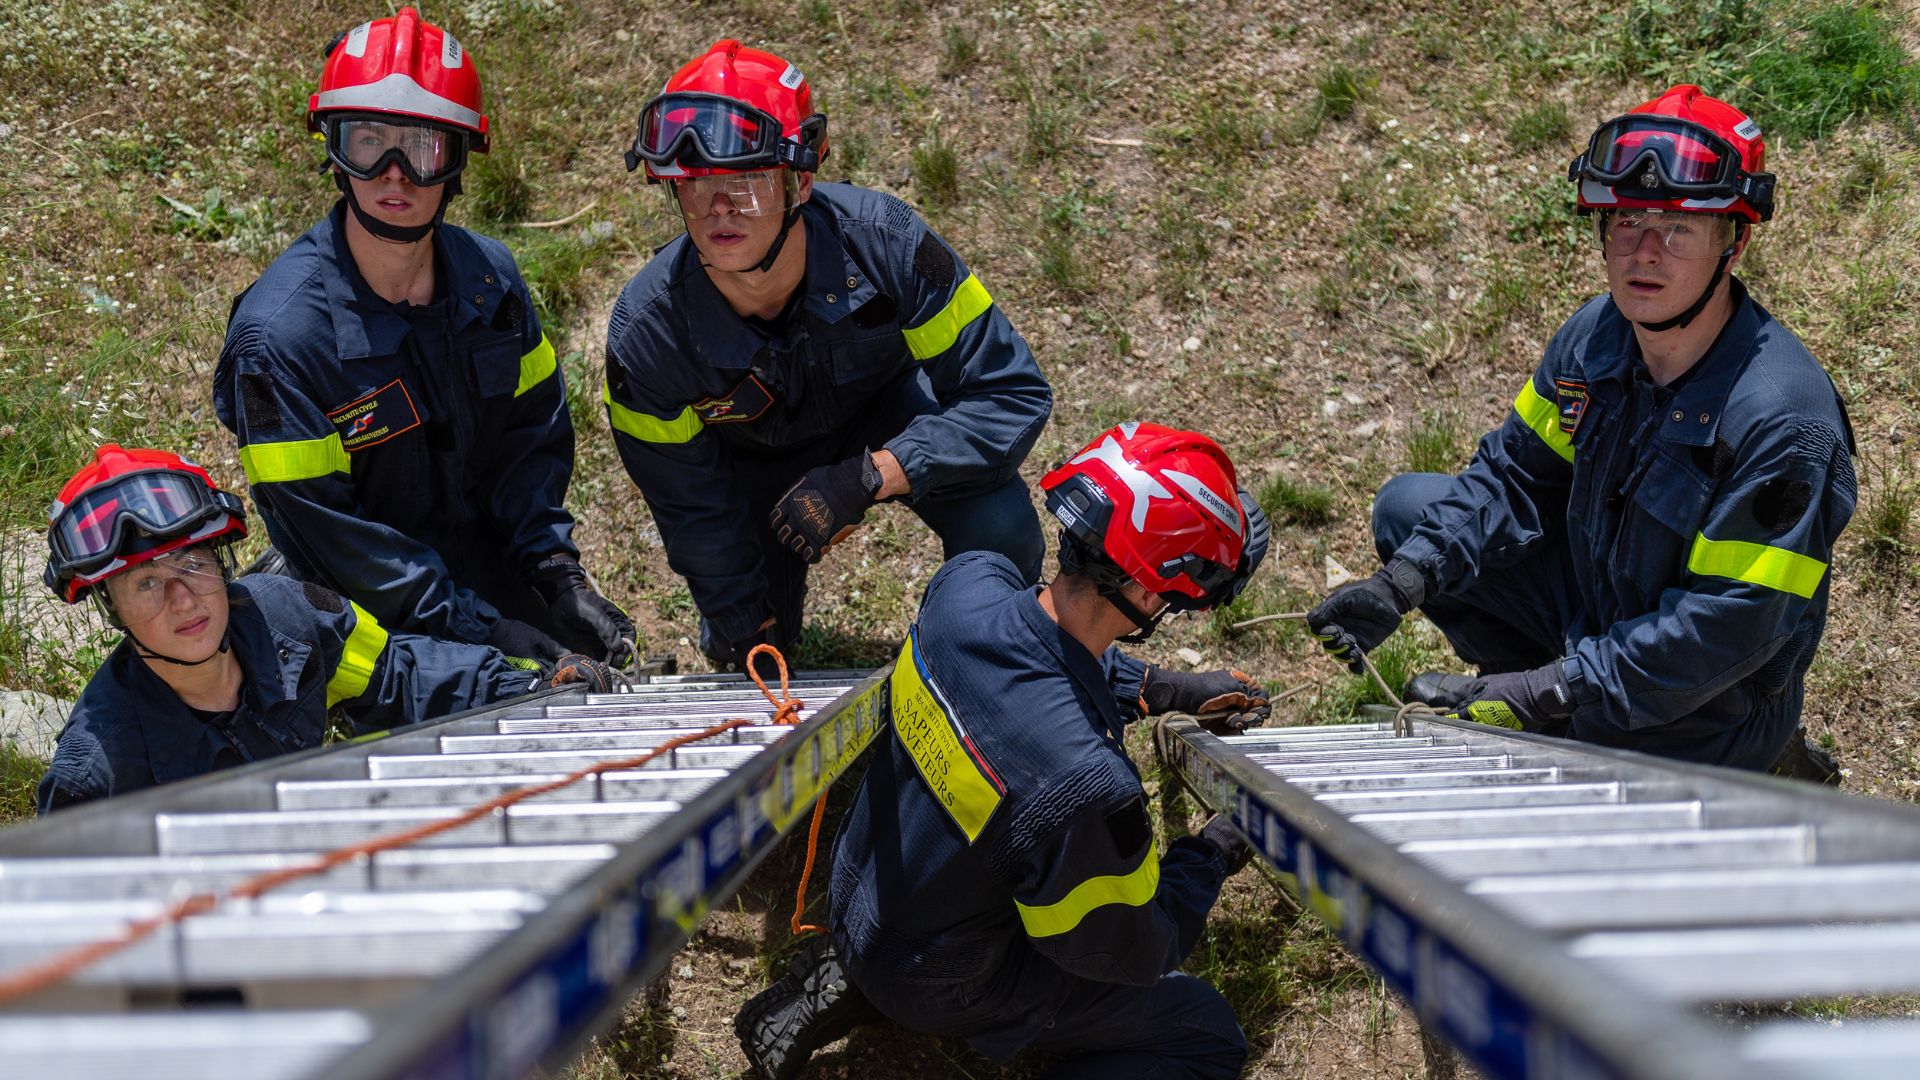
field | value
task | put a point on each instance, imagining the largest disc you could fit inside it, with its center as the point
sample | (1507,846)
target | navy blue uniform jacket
(304,650)
(999,848)
(1701,519)
(695,392)
(383,441)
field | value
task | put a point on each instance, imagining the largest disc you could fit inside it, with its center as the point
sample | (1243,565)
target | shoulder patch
(949,762)
(258,402)
(323,598)
(1570,399)
(745,402)
(372,419)
(932,260)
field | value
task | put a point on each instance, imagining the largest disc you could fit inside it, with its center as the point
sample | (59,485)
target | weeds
(1888,516)
(497,189)
(555,267)
(936,168)
(19,779)
(1336,94)
(1543,125)
(1062,235)
(959,49)
(1294,503)
(1185,249)
(1438,445)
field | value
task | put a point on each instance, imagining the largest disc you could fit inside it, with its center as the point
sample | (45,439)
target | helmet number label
(791,78)
(450,52)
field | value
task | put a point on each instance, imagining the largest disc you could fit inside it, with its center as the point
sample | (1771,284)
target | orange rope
(57,969)
(786,711)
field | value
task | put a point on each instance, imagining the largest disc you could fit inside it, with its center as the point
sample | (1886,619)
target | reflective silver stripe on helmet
(400,94)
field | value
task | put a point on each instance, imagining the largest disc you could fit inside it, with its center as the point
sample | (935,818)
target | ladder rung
(1605,900)
(1289,770)
(1772,963)
(1471,798)
(1788,845)
(1315,754)
(1855,1049)
(1404,825)
(632,742)
(319,830)
(180,1046)
(1483,777)
(396,766)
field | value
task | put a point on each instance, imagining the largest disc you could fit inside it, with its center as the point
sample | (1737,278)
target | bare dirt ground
(1338,246)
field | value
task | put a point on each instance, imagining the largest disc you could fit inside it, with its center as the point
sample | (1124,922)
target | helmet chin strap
(148,654)
(1144,624)
(399,234)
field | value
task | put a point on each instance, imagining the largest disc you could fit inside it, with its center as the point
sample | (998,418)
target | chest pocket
(866,356)
(496,366)
(300,722)
(1667,508)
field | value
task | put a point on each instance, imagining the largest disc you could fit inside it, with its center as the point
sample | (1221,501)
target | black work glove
(574,669)
(1356,617)
(524,642)
(1197,693)
(764,664)
(824,505)
(1234,850)
(590,622)
(1536,700)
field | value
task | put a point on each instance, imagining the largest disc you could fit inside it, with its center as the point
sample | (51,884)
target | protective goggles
(1684,235)
(1666,156)
(141,593)
(708,130)
(427,154)
(755,194)
(92,530)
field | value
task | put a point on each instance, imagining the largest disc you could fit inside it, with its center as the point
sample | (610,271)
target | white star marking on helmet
(1144,487)
(1205,496)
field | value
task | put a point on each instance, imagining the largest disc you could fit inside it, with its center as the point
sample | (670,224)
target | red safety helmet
(399,71)
(732,109)
(1164,509)
(1682,151)
(129,506)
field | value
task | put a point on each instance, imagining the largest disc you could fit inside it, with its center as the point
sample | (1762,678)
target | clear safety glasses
(754,194)
(427,154)
(1683,235)
(141,593)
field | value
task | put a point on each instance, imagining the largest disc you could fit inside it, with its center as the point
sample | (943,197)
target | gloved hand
(825,505)
(521,641)
(764,664)
(597,677)
(590,622)
(1536,700)
(1199,692)
(1234,850)
(1356,617)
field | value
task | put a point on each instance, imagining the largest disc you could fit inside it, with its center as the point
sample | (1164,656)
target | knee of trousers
(1399,505)
(1001,520)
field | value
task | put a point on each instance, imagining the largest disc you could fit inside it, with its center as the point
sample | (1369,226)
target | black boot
(1439,689)
(1802,760)
(814,1004)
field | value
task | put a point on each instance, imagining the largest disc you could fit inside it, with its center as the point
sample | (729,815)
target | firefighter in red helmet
(1640,555)
(401,415)
(214,670)
(996,878)
(804,351)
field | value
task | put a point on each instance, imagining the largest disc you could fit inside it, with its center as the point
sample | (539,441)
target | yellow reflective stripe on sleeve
(358,658)
(1132,889)
(536,366)
(278,462)
(937,335)
(1541,415)
(1757,564)
(959,778)
(651,428)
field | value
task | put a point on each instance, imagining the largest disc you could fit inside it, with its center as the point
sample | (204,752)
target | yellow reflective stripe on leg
(358,658)
(937,335)
(1541,415)
(961,781)
(1132,889)
(537,366)
(278,462)
(651,428)
(1757,564)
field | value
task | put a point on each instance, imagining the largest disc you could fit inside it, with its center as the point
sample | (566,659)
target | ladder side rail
(1508,996)
(539,994)
(124,824)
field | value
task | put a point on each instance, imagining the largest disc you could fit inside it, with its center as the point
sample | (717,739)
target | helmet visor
(363,147)
(706,130)
(1661,153)
(92,529)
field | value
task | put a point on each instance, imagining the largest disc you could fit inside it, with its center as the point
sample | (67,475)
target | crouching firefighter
(214,671)
(996,878)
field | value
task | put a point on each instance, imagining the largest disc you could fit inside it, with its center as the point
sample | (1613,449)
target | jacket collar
(366,325)
(725,340)
(1081,666)
(1693,415)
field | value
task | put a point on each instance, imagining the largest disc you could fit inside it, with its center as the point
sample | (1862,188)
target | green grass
(1336,94)
(1290,502)
(936,168)
(1063,238)
(19,776)
(1438,444)
(1398,659)
(959,49)
(497,189)
(1886,514)
(1538,127)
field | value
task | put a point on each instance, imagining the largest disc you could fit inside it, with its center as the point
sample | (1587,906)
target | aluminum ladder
(485,952)
(1563,911)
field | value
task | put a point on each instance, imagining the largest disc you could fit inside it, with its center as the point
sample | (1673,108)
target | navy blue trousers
(1179,1028)
(1511,619)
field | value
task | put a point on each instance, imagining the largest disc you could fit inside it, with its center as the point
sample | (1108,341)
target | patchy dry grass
(1359,211)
